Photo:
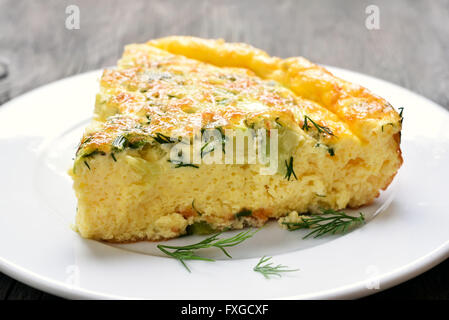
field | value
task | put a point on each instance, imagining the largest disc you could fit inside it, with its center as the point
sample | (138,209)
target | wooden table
(410,48)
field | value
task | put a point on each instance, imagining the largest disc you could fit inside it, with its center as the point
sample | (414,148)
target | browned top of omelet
(178,85)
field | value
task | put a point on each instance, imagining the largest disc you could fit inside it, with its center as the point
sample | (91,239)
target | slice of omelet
(337,143)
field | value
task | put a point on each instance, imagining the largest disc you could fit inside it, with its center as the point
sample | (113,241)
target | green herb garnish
(330,150)
(161,138)
(401,110)
(183,253)
(320,129)
(92,153)
(200,228)
(223,139)
(179,164)
(122,141)
(329,222)
(243,213)
(212,146)
(290,170)
(278,123)
(227,77)
(81,144)
(252,125)
(196,210)
(269,269)
(204,152)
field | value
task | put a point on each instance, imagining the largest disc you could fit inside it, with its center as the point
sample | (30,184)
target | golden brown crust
(159,81)
(157,91)
(353,104)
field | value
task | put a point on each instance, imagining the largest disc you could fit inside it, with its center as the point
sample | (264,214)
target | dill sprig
(243,213)
(269,269)
(329,222)
(91,154)
(330,150)
(183,253)
(290,170)
(209,150)
(194,208)
(278,122)
(123,141)
(252,125)
(223,139)
(179,164)
(401,110)
(211,146)
(161,138)
(320,128)
(119,142)
(82,143)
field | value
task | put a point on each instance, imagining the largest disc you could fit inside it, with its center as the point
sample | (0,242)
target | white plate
(38,135)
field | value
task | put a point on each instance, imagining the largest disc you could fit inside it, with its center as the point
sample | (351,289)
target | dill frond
(161,138)
(321,129)
(183,253)
(269,269)
(290,170)
(401,111)
(179,164)
(329,222)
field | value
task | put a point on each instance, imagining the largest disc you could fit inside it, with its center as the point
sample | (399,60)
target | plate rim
(353,291)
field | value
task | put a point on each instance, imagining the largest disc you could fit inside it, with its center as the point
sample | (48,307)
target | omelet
(138,175)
